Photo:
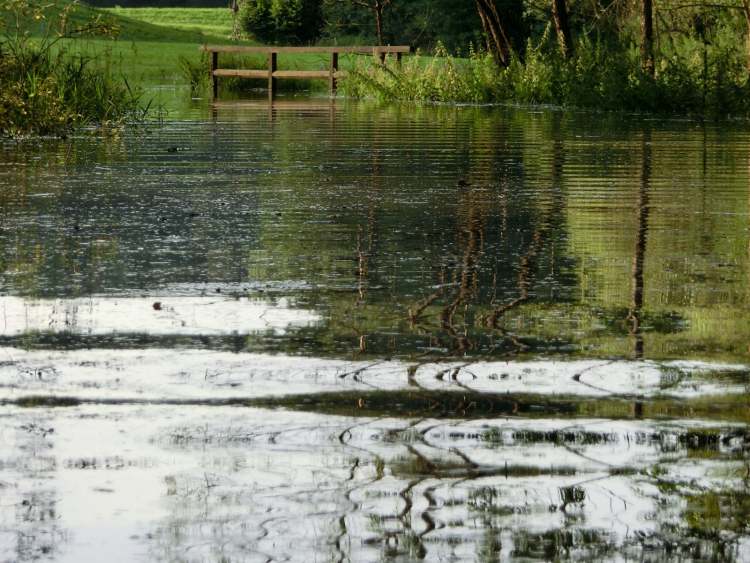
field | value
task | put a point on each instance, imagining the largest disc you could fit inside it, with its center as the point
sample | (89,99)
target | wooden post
(271,79)
(398,59)
(214,80)
(334,69)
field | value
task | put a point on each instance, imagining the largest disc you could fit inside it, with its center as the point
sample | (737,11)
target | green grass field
(133,24)
(212,23)
(151,42)
(157,62)
(145,63)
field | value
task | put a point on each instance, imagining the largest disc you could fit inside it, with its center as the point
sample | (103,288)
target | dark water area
(334,331)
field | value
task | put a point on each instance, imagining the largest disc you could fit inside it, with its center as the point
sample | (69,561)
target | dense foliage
(282,21)
(421,23)
(593,54)
(690,79)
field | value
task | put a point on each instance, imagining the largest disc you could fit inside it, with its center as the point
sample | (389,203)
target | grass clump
(194,72)
(45,89)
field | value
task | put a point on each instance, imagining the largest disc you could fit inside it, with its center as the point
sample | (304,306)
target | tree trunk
(635,314)
(647,36)
(497,40)
(746,9)
(378,8)
(562,27)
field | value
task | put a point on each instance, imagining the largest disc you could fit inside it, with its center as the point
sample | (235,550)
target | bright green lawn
(216,23)
(208,24)
(144,63)
(151,41)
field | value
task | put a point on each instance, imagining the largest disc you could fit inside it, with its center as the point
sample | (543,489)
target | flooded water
(343,332)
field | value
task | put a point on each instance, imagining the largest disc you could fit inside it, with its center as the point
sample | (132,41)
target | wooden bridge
(273,74)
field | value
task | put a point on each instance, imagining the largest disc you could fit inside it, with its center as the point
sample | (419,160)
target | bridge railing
(272,73)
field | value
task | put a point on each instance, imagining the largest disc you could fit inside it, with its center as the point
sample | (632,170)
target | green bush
(282,21)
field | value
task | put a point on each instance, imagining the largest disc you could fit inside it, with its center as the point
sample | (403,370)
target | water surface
(331,331)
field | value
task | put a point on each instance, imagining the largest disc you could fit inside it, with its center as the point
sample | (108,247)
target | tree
(285,21)
(376,7)
(746,11)
(497,39)
(562,27)
(647,36)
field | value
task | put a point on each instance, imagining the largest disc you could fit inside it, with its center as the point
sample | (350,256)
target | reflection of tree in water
(426,489)
(367,237)
(508,519)
(498,267)
(398,254)
(639,256)
(38,536)
(35,524)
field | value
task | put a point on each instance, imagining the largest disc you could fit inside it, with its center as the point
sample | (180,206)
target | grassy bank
(65,65)
(151,43)
(159,46)
(47,89)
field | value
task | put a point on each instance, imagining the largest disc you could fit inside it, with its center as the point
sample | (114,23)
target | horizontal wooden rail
(385,49)
(304,74)
(272,73)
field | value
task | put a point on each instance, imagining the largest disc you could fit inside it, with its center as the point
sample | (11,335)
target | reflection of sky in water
(164,374)
(168,315)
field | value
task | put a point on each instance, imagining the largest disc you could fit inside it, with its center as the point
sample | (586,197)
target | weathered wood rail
(272,73)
